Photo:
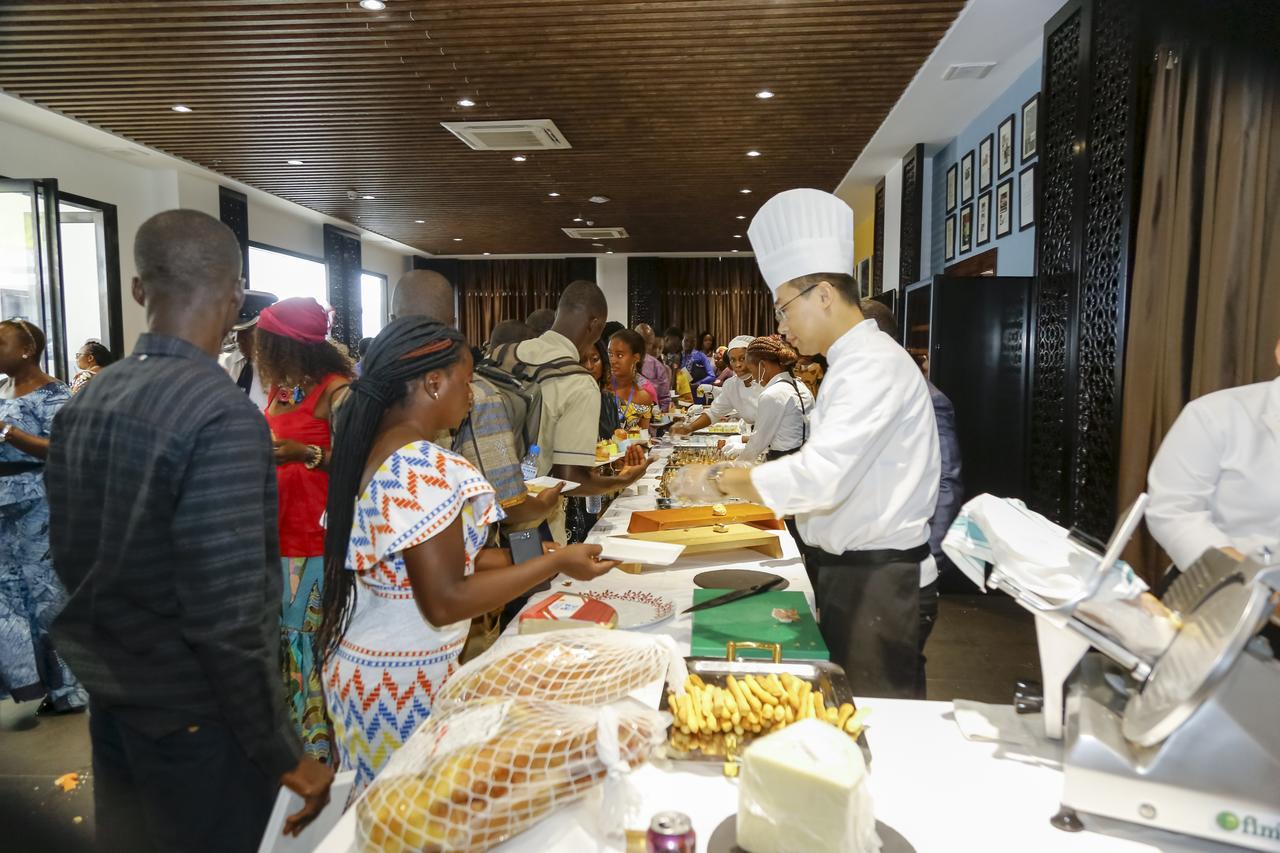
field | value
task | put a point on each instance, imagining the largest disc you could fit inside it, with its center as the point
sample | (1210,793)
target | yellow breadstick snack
(761,694)
(846,711)
(744,707)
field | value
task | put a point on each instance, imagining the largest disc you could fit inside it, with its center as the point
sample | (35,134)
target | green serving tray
(750,619)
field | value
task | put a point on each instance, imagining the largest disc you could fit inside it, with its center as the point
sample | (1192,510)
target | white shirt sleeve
(769,413)
(724,402)
(856,425)
(1182,483)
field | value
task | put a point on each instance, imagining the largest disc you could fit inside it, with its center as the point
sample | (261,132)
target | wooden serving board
(647,521)
(704,540)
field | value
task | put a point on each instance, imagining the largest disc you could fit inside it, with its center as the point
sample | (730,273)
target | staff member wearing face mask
(782,417)
(737,394)
(864,485)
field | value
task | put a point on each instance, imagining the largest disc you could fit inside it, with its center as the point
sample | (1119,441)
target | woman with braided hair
(782,414)
(405,570)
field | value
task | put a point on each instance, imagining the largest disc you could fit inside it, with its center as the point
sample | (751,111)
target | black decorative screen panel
(877,251)
(342,259)
(910,239)
(1055,235)
(233,210)
(1104,267)
(1089,121)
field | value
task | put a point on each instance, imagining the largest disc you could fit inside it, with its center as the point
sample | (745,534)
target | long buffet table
(933,789)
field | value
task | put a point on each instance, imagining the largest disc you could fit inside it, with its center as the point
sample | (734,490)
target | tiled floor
(980,646)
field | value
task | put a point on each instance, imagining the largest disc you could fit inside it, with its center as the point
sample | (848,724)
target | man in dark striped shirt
(163,522)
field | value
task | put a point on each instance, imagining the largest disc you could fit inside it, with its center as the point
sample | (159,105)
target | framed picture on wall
(986,151)
(984,220)
(951,187)
(966,177)
(1004,148)
(1027,197)
(949,238)
(864,277)
(1004,208)
(966,229)
(1029,110)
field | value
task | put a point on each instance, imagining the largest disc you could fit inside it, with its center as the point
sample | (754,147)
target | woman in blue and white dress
(31,596)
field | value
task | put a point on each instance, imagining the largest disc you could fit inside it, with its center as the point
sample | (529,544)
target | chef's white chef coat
(782,417)
(233,362)
(1215,481)
(735,396)
(867,478)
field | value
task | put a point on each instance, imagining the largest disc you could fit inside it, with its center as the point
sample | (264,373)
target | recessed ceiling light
(598,199)
(420,221)
(554,195)
(373,5)
(466,102)
(745,191)
(457,239)
(294,162)
(737,236)
(735,250)
(608,251)
(600,245)
(486,253)
(739,216)
(180,108)
(764,94)
(577,219)
(753,153)
(368,196)
(519,158)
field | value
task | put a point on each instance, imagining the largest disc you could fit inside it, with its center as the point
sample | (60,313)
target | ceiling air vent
(534,135)
(968,70)
(597,233)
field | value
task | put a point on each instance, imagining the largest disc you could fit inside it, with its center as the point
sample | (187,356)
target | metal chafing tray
(825,677)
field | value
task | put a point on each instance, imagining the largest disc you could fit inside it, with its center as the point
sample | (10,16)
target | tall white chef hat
(799,232)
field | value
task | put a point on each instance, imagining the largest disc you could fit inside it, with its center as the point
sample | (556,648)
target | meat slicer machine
(1186,740)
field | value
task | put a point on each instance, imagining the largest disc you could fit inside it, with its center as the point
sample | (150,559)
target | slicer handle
(731,649)
(1028,697)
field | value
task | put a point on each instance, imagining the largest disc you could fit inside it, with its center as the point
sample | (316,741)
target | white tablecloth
(936,789)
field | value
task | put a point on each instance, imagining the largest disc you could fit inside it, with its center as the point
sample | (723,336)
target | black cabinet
(970,336)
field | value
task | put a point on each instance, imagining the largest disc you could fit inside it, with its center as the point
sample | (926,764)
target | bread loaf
(470,778)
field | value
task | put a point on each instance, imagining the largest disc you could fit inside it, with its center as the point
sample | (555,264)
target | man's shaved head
(541,320)
(186,255)
(581,313)
(424,293)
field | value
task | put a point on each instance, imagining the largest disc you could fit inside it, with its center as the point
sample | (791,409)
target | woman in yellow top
(636,395)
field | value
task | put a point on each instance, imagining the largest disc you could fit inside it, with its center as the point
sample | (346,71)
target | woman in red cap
(303,370)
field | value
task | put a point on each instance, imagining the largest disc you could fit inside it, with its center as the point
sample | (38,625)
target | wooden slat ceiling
(657,99)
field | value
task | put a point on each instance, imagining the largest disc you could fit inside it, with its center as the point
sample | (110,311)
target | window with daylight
(373,293)
(287,274)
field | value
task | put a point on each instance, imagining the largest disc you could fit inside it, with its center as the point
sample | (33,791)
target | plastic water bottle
(529,464)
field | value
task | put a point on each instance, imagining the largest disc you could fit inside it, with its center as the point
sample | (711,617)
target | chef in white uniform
(1215,482)
(737,394)
(782,416)
(864,485)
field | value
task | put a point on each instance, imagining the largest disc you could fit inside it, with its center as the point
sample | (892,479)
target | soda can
(671,832)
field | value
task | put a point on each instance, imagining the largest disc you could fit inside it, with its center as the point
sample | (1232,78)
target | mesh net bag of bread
(473,776)
(588,666)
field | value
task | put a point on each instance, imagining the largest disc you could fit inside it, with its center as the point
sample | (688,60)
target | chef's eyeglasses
(780,312)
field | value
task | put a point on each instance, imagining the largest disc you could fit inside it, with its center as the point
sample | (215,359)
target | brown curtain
(492,291)
(725,296)
(1205,304)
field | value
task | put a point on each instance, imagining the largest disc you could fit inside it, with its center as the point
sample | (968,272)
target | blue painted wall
(1017,250)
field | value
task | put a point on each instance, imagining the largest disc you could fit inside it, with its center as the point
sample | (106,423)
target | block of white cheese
(803,789)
